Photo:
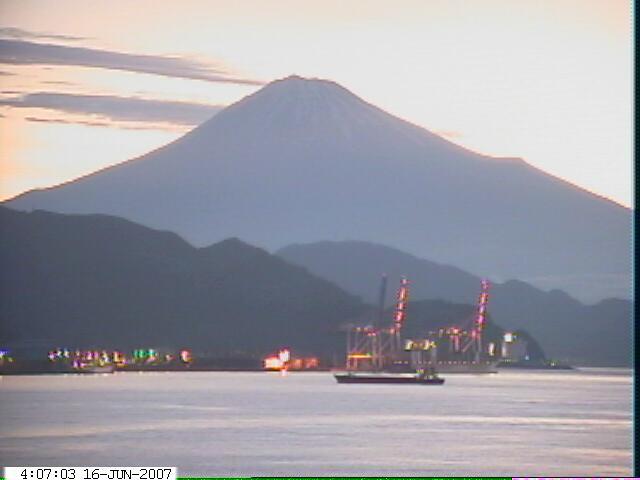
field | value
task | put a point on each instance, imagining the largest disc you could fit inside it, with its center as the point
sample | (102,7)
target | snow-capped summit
(295,109)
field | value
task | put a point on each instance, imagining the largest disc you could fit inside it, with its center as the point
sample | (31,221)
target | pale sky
(89,84)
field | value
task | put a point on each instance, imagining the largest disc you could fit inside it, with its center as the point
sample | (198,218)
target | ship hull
(95,369)
(388,378)
(467,367)
(534,366)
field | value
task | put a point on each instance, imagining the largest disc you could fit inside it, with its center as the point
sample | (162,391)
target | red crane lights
(482,304)
(401,306)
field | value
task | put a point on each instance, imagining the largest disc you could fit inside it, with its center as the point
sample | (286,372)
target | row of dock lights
(117,358)
(419,345)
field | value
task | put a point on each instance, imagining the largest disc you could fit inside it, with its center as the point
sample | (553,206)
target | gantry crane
(377,347)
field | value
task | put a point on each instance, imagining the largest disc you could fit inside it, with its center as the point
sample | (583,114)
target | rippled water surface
(574,423)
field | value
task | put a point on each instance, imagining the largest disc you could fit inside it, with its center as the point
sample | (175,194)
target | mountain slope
(106,282)
(306,160)
(565,328)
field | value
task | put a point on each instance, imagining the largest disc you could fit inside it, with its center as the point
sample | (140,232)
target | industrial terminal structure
(456,349)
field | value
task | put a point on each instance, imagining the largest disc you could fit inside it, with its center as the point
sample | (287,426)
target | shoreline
(36,372)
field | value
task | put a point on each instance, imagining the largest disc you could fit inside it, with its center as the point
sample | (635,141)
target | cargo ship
(467,367)
(529,365)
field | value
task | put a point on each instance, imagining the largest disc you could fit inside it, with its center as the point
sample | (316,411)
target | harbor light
(185,356)
(284,355)
(5,357)
(273,363)
(360,355)
(284,360)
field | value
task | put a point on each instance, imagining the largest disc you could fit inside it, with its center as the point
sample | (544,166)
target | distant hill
(303,160)
(564,327)
(100,281)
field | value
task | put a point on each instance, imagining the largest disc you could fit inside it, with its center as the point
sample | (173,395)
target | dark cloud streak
(67,122)
(13,32)
(18,52)
(114,108)
(95,123)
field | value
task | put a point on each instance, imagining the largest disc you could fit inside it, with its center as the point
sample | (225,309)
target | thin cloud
(115,108)
(13,32)
(19,52)
(121,125)
(67,122)
(57,82)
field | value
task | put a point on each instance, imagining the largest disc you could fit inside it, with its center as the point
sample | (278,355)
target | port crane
(470,341)
(377,346)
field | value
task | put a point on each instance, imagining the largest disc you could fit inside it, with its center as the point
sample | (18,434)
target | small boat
(388,377)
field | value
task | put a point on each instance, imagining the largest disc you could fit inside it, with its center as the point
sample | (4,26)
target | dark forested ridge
(102,281)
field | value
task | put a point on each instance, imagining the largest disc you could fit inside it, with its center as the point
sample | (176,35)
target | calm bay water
(525,423)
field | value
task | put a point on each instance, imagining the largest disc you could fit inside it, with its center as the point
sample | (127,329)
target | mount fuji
(303,160)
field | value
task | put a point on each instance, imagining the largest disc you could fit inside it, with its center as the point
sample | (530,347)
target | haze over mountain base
(588,288)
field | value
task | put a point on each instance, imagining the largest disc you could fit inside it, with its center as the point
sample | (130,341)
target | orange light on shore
(273,363)
(311,362)
(359,355)
(283,361)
